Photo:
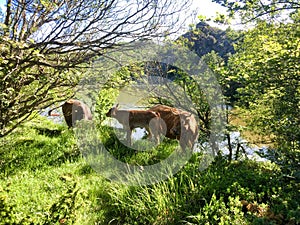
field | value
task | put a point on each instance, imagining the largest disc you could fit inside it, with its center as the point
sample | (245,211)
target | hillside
(206,38)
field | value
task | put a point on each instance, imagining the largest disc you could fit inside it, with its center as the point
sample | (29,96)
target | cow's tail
(50,111)
(157,114)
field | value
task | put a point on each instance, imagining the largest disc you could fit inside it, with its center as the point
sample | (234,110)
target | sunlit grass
(46,180)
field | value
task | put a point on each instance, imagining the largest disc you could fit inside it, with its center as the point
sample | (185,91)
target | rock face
(206,38)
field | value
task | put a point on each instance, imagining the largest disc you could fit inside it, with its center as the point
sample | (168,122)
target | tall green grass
(40,166)
(46,180)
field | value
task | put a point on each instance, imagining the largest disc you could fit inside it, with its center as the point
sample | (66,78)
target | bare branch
(46,41)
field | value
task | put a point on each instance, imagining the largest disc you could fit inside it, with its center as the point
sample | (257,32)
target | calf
(180,125)
(131,119)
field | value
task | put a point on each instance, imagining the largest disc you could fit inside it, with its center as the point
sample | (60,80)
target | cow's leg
(156,137)
(68,119)
(154,129)
(128,136)
(187,141)
(149,133)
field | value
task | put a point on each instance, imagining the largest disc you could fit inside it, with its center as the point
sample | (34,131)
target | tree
(267,66)
(251,10)
(46,44)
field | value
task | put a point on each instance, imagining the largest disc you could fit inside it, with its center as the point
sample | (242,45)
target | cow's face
(176,129)
(112,112)
(108,114)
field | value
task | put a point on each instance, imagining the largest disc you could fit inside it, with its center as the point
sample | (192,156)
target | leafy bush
(211,196)
(218,212)
(63,211)
(7,211)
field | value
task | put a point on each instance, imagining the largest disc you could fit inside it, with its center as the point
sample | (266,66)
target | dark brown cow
(180,125)
(74,110)
(131,119)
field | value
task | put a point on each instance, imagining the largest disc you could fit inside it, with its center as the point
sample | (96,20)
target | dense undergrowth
(45,180)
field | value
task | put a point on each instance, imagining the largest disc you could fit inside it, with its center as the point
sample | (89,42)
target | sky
(203,7)
(206,7)
(209,8)
(2,3)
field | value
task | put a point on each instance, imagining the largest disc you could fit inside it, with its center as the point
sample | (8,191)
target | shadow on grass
(37,151)
(48,132)
(142,151)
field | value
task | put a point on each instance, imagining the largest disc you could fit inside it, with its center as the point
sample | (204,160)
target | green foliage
(218,212)
(47,144)
(7,211)
(266,65)
(105,101)
(38,191)
(26,85)
(250,10)
(40,164)
(266,69)
(212,196)
(64,210)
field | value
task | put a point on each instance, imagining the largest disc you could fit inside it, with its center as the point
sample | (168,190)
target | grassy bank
(45,180)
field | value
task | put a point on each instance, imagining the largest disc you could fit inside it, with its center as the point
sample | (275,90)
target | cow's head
(112,112)
(176,129)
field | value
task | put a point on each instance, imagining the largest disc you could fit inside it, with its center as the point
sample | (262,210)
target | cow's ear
(114,111)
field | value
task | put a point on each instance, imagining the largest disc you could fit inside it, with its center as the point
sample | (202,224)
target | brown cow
(74,110)
(131,119)
(180,125)
(170,116)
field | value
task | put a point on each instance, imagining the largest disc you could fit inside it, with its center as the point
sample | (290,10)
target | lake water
(138,133)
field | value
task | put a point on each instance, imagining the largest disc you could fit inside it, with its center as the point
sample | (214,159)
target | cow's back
(170,116)
(75,110)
